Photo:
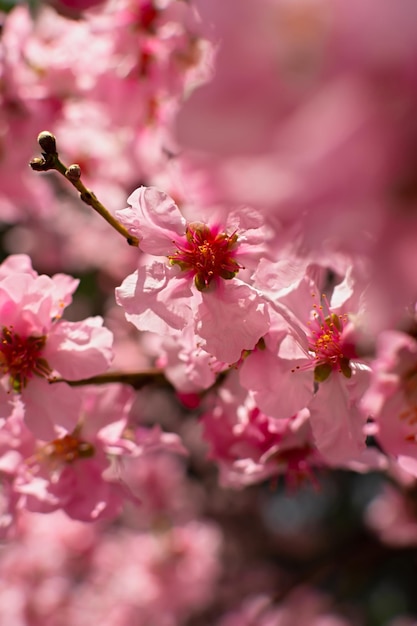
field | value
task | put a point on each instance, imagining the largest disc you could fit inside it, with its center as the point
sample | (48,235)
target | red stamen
(21,358)
(206,254)
(326,342)
(66,449)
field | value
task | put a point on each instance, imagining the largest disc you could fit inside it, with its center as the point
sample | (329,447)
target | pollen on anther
(21,358)
(206,254)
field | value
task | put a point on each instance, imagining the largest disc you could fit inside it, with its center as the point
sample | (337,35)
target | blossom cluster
(269,174)
(62,447)
(270,278)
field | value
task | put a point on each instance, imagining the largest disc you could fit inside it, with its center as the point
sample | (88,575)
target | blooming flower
(250,446)
(70,471)
(87,472)
(187,366)
(391,399)
(196,284)
(206,254)
(310,361)
(36,345)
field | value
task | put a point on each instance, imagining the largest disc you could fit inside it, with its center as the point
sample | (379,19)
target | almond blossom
(197,283)
(391,399)
(250,447)
(37,345)
(83,471)
(69,472)
(310,360)
(186,365)
(274,291)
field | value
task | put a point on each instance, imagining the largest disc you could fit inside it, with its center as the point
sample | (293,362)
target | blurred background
(335,548)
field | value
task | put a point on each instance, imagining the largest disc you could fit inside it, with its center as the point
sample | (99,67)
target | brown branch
(137,380)
(51,161)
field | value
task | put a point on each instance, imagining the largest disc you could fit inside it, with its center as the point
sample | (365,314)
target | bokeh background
(338,548)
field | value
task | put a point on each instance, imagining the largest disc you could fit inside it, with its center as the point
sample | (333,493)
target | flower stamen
(21,358)
(66,450)
(206,254)
(326,343)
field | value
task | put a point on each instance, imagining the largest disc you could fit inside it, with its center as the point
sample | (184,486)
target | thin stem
(137,380)
(51,161)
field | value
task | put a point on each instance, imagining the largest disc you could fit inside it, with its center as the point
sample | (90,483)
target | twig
(51,161)
(137,380)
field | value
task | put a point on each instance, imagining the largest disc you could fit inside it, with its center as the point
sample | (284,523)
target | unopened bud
(73,173)
(37,164)
(47,142)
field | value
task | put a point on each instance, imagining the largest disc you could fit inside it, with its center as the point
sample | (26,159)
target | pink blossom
(70,472)
(196,284)
(86,472)
(16,445)
(391,399)
(269,370)
(249,446)
(79,490)
(37,345)
(310,346)
(186,365)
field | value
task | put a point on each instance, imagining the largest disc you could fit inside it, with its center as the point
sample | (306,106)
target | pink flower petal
(154,218)
(153,299)
(231,319)
(79,349)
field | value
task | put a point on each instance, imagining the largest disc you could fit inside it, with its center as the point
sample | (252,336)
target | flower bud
(37,164)
(47,142)
(73,173)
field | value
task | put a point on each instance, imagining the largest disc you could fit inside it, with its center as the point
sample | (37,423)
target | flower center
(67,449)
(206,254)
(21,358)
(327,345)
